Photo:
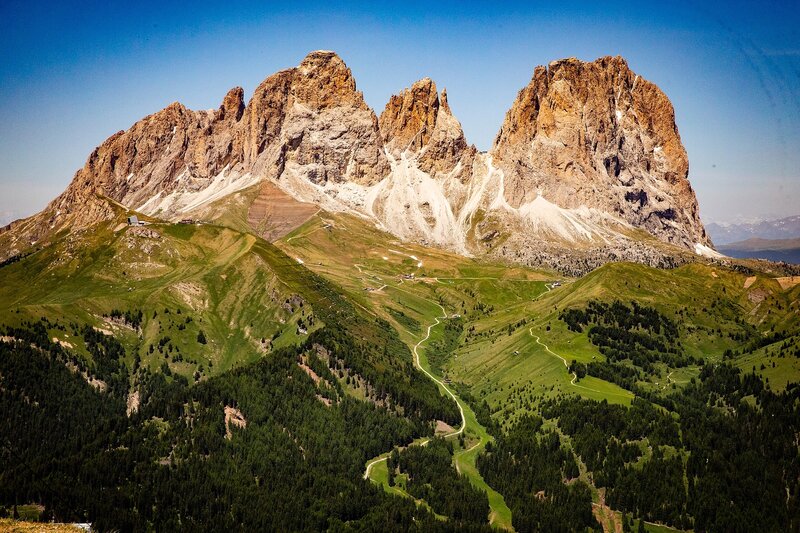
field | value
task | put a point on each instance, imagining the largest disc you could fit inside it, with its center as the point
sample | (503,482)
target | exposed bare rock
(588,164)
(409,118)
(175,149)
(132,403)
(597,135)
(274,213)
(233,419)
(312,122)
(431,165)
(419,123)
(307,123)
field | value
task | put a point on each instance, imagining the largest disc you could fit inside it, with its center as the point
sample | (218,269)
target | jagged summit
(596,134)
(588,153)
(418,122)
(232,107)
(409,118)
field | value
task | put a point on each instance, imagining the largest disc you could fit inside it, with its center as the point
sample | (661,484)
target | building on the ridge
(133,220)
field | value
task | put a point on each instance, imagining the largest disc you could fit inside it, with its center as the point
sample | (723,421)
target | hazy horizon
(72,79)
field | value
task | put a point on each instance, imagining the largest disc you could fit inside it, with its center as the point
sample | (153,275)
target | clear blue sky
(72,73)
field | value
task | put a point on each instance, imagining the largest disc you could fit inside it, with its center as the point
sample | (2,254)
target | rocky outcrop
(312,121)
(418,123)
(310,117)
(409,118)
(306,124)
(598,135)
(175,149)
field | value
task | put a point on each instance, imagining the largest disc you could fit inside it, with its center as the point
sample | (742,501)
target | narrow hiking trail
(566,365)
(324,222)
(549,287)
(551,352)
(417,363)
(415,350)
(463,459)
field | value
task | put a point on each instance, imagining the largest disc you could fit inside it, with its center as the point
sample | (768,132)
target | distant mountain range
(787,250)
(783,228)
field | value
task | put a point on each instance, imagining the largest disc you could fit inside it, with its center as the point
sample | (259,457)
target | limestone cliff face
(587,153)
(307,124)
(409,118)
(597,135)
(310,118)
(174,149)
(419,123)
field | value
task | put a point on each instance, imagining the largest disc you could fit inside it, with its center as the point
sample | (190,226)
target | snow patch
(183,200)
(546,217)
(705,251)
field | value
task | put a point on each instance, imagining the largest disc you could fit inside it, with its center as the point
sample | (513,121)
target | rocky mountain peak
(408,120)
(596,134)
(588,153)
(323,80)
(443,102)
(418,121)
(232,107)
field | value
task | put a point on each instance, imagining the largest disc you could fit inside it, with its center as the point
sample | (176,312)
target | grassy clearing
(776,367)
(186,278)
(464,458)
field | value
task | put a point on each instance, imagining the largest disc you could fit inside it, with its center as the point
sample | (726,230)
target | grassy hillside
(505,309)
(421,335)
(514,350)
(183,278)
(159,317)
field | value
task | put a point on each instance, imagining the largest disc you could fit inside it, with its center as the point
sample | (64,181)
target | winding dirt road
(417,363)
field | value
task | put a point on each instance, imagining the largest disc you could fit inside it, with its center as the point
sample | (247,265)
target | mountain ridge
(308,131)
(780,228)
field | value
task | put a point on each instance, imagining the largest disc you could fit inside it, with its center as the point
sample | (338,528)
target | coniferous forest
(169,466)
(719,455)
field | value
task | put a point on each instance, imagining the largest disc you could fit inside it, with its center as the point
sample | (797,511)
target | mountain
(588,161)
(598,136)
(7,217)
(786,250)
(783,228)
(339,339)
